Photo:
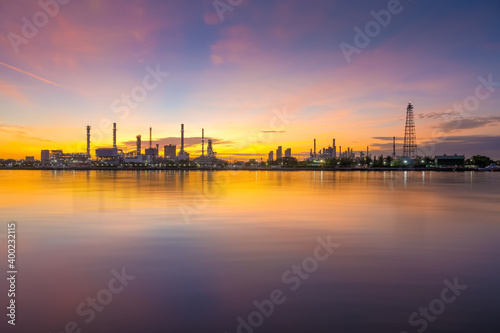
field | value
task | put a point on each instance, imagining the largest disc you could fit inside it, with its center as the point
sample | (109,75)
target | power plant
(113,156)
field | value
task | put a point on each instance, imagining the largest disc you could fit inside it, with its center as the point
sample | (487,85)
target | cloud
(386,138)
(437,115)
(273,131)
(468,123)
(237,45)
(20,131)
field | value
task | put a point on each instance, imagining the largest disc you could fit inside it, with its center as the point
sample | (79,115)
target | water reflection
(401,235)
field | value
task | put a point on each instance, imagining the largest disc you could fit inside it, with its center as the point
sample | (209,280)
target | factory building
(445,161)
(170,151)
(58,158)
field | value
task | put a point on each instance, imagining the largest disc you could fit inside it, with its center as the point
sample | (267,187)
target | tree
(481,161)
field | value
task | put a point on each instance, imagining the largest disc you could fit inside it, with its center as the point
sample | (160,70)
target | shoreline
(244,169)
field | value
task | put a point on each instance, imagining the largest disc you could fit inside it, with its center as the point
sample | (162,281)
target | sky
(254,74)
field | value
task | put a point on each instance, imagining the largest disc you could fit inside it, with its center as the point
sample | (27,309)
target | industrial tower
(410,144)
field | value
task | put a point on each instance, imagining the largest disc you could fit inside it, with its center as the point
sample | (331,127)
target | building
(106,152)
(445,161)
(60,159)
(270,157)
(170,151)
(45,156)
(30,158)
(288,152)
(279,153)
(151,152)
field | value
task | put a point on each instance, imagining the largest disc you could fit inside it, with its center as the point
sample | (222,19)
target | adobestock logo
(437,306)
(372,29)
(29,29)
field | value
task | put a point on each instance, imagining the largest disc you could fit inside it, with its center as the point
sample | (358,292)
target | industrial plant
(330,156)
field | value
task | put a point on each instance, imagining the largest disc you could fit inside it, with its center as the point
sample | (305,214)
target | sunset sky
(233,77)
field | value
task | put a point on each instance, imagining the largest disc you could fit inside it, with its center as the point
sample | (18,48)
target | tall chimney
(150,137)
(334,149)
(138,145)
(114,135)
(88,142)
(202,142)
(182,138)
(394,147)
(314,147)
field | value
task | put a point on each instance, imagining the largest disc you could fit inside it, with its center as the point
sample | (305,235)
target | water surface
(203,246)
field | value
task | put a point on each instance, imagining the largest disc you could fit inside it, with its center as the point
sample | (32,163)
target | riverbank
(239,169)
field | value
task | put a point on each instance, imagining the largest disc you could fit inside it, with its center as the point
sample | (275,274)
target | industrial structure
(183,155)
(110,155)
(170,151)
(210,159)
(324,153)
(393,147)
(151,152)
(410,141)
(88,142)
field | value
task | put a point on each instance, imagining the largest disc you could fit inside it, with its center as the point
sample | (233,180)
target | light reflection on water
(204,245)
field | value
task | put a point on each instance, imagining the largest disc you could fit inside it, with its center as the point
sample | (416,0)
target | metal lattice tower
(410,144)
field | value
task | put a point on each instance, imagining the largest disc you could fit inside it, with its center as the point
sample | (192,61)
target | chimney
(314,147)
(88,142)
(394,147)
(114,135)
(150,137)
(334,149)
(202,142)
(138,145)
(182,138)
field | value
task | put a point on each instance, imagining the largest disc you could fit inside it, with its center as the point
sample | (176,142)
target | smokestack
(202,142)
(114,135)
(314,147)
(150,137)
(138,145)
(88,142)
(334,149)
(394,147)
(182,138)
